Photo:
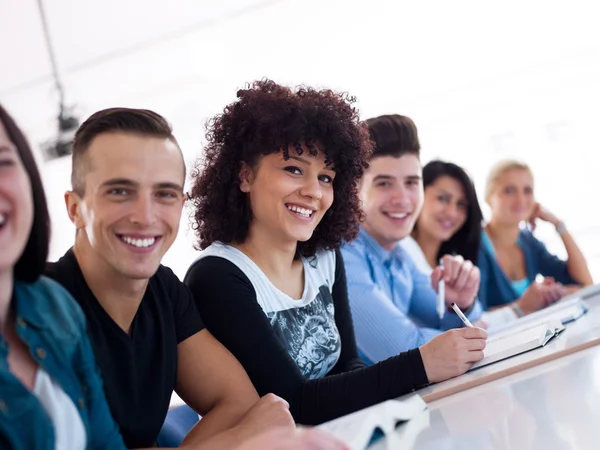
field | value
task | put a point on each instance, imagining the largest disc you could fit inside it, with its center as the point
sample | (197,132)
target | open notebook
(358,429)
(519,340)
(564,312)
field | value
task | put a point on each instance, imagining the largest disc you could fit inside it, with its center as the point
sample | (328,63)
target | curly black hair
(268,118)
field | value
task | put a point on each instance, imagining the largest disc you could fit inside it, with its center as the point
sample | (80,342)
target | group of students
(302,306)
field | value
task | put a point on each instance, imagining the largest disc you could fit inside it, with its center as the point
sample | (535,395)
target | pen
(441,300)
(460,314)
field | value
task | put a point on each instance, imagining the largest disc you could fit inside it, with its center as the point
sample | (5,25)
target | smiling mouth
(303,212)
(447,225)
(397,215)
(139,242)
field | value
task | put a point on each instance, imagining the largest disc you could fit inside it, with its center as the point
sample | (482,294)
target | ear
(246,176)
(72,202)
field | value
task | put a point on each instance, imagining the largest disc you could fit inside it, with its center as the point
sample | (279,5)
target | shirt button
(21,322)
(81,403)
(41,353)
(3,406)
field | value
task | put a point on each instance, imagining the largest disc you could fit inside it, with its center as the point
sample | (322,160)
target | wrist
(560,227)
(516,308)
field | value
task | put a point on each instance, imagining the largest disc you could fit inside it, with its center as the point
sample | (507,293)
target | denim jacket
(52,326)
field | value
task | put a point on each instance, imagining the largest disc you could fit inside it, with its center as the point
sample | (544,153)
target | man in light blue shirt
(393,303)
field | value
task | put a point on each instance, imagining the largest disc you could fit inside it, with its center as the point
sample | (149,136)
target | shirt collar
(30,304)
(375,249)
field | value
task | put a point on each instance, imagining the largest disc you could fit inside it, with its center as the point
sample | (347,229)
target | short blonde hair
(499,169)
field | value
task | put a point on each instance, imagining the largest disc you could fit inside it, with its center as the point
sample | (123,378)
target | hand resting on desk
(452,353)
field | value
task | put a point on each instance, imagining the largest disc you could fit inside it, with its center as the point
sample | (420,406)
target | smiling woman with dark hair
(274,199)
(50,383)
(450,220)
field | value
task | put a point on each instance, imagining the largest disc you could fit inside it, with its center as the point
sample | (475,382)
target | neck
(273,257)
(388,246)
(119,295)
(430,246)
(6,291)
(502,234)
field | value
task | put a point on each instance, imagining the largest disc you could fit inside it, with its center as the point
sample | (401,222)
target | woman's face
(512,199)
(16,204)
(289,197)
(445,208)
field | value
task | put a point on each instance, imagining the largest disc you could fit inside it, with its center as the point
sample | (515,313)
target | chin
(139,272)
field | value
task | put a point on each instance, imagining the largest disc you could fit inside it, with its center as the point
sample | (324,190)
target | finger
(473,333)
(474,278)
(473,345)
(436,276)
(451,269)
(463,275)
(475,356)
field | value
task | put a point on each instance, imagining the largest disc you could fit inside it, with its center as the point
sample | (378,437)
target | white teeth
(140,243)
(398,215)
(2,219)
(302,211)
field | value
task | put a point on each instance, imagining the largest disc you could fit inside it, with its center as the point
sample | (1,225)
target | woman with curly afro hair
(274,198)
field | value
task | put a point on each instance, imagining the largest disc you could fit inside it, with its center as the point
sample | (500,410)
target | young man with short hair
(393,304)
(148,338)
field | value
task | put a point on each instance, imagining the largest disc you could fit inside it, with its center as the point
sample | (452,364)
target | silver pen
(441,299)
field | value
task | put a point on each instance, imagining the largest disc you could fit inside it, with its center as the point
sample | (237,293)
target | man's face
(391,192)
(130,212)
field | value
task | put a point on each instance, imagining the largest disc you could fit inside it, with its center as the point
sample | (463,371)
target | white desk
(552,406)
(578,336)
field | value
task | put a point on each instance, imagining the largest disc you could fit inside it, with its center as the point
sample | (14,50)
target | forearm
(220,422)
(576,263)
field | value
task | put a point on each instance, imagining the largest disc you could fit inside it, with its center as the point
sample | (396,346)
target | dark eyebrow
(384,177)
(131,183)
(5,148)
(169,185)
(413,177)
(302,160)
(118,182)
(329,166)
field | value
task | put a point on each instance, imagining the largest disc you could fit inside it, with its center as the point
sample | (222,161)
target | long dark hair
(466,240)
(31,263)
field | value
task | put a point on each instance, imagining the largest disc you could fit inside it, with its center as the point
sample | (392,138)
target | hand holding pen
(456,281)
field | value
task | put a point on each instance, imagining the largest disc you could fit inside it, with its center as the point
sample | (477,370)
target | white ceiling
(482,79)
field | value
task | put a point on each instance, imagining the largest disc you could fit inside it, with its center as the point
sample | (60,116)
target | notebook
(563,312)
(358,429)
(519,340)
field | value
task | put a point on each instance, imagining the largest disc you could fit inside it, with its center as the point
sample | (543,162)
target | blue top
(519,286)
(496,288)
(52,326)
(393,303)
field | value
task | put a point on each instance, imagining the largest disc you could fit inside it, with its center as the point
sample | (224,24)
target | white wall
(517,78)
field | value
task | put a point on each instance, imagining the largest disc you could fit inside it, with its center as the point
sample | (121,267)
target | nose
(143,211)
(399,196)
(312,189)
(452,211)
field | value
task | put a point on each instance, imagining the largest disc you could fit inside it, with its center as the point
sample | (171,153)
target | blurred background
(482,80)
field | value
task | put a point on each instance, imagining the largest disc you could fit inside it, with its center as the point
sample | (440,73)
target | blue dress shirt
(393,303)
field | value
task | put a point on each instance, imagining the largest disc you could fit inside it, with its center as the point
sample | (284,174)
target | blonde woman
(510,257)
